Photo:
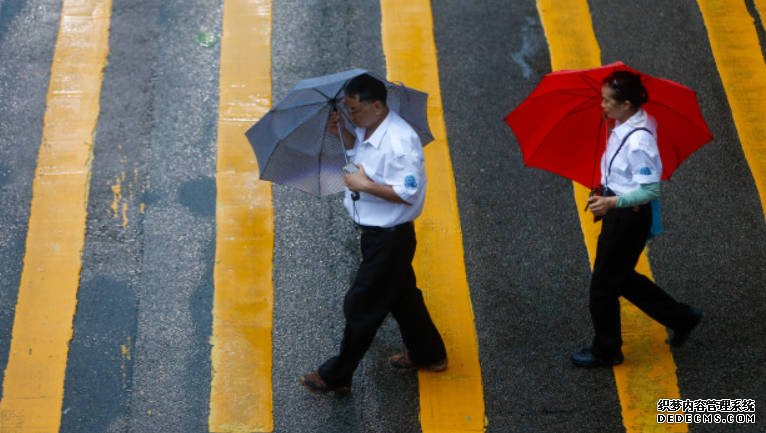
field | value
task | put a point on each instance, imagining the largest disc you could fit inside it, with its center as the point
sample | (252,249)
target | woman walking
(630,178)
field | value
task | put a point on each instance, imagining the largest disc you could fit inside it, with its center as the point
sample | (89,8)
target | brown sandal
(314,382)
(402,361)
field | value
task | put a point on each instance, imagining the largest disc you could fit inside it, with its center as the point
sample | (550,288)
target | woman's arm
(644,194)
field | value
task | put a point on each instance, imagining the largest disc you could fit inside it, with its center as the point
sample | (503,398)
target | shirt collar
(637,120)
(380,131)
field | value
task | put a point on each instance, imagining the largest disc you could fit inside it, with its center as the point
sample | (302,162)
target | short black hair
(627,86)
(367,88)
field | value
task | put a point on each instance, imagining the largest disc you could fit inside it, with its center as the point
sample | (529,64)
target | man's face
(363,114)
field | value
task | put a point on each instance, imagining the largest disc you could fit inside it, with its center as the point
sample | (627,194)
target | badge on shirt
(645,171)
(410,182)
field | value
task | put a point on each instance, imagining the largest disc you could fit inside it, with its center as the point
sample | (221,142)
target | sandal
(402,361)
(314,382)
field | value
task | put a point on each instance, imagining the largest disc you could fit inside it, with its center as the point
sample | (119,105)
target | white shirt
(638,162)
(392,155)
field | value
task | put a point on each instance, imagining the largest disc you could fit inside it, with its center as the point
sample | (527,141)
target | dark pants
(623,237)
(385,283)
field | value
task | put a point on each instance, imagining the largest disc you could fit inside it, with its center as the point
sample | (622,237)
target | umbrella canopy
(561,128)
(291,141)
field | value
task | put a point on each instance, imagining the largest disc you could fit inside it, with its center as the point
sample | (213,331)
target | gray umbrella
(291,141)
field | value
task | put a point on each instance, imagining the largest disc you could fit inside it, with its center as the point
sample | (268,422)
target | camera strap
(624,140)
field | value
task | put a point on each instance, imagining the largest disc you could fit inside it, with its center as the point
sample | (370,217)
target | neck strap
(624,140)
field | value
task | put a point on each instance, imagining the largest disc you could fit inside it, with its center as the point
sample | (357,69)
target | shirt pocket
(374,165)
(620,167)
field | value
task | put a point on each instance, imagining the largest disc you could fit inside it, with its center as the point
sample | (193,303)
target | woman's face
(614,109)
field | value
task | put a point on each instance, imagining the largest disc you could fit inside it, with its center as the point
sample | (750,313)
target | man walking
(385,194)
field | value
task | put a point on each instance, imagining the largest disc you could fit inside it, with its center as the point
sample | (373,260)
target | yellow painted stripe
(452,401)
(649,372)
(740,62)
(241,391)
(33,388)
(760,6)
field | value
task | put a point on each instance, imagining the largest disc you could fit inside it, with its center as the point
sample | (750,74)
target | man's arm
(360,182)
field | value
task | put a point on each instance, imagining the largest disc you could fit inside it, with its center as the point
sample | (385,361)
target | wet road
(139,358)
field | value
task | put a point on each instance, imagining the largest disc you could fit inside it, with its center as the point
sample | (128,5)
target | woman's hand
(600,205)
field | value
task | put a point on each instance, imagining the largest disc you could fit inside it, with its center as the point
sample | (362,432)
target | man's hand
(600,205)
(332,122)
(360,182)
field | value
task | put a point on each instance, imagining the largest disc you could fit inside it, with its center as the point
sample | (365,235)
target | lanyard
(625,139)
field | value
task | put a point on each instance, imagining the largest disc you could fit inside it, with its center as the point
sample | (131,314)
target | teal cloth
(656,229)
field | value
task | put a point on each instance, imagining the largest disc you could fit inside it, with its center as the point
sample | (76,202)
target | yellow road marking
(33,388)
(740,63)
(760,6)
(649,372)
(452,401)
(241,390)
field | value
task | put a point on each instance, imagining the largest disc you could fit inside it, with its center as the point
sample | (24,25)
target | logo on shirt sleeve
(645,171)
(410,182)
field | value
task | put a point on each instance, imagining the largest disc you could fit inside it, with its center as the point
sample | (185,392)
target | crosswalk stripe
(33,387)
(452,401)
(241,389)
(760,7)
(740,63)
(649,372)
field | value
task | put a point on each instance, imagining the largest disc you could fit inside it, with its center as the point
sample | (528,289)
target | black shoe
(680,336)
(586,358)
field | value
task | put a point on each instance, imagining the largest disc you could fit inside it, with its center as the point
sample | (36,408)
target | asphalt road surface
(139,359)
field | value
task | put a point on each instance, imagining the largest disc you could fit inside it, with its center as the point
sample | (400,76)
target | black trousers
(385,283)
(623,236)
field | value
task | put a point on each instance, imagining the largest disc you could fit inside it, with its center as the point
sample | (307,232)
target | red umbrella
(561,128)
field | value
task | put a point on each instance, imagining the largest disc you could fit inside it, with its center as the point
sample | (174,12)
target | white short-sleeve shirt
(638,162)
(392,155)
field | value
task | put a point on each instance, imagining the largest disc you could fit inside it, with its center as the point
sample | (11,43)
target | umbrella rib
(326,101)
(589,82)
(292,131)
(342,88)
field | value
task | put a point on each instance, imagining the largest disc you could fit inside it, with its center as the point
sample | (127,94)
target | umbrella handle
(349,167)
(342,144)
